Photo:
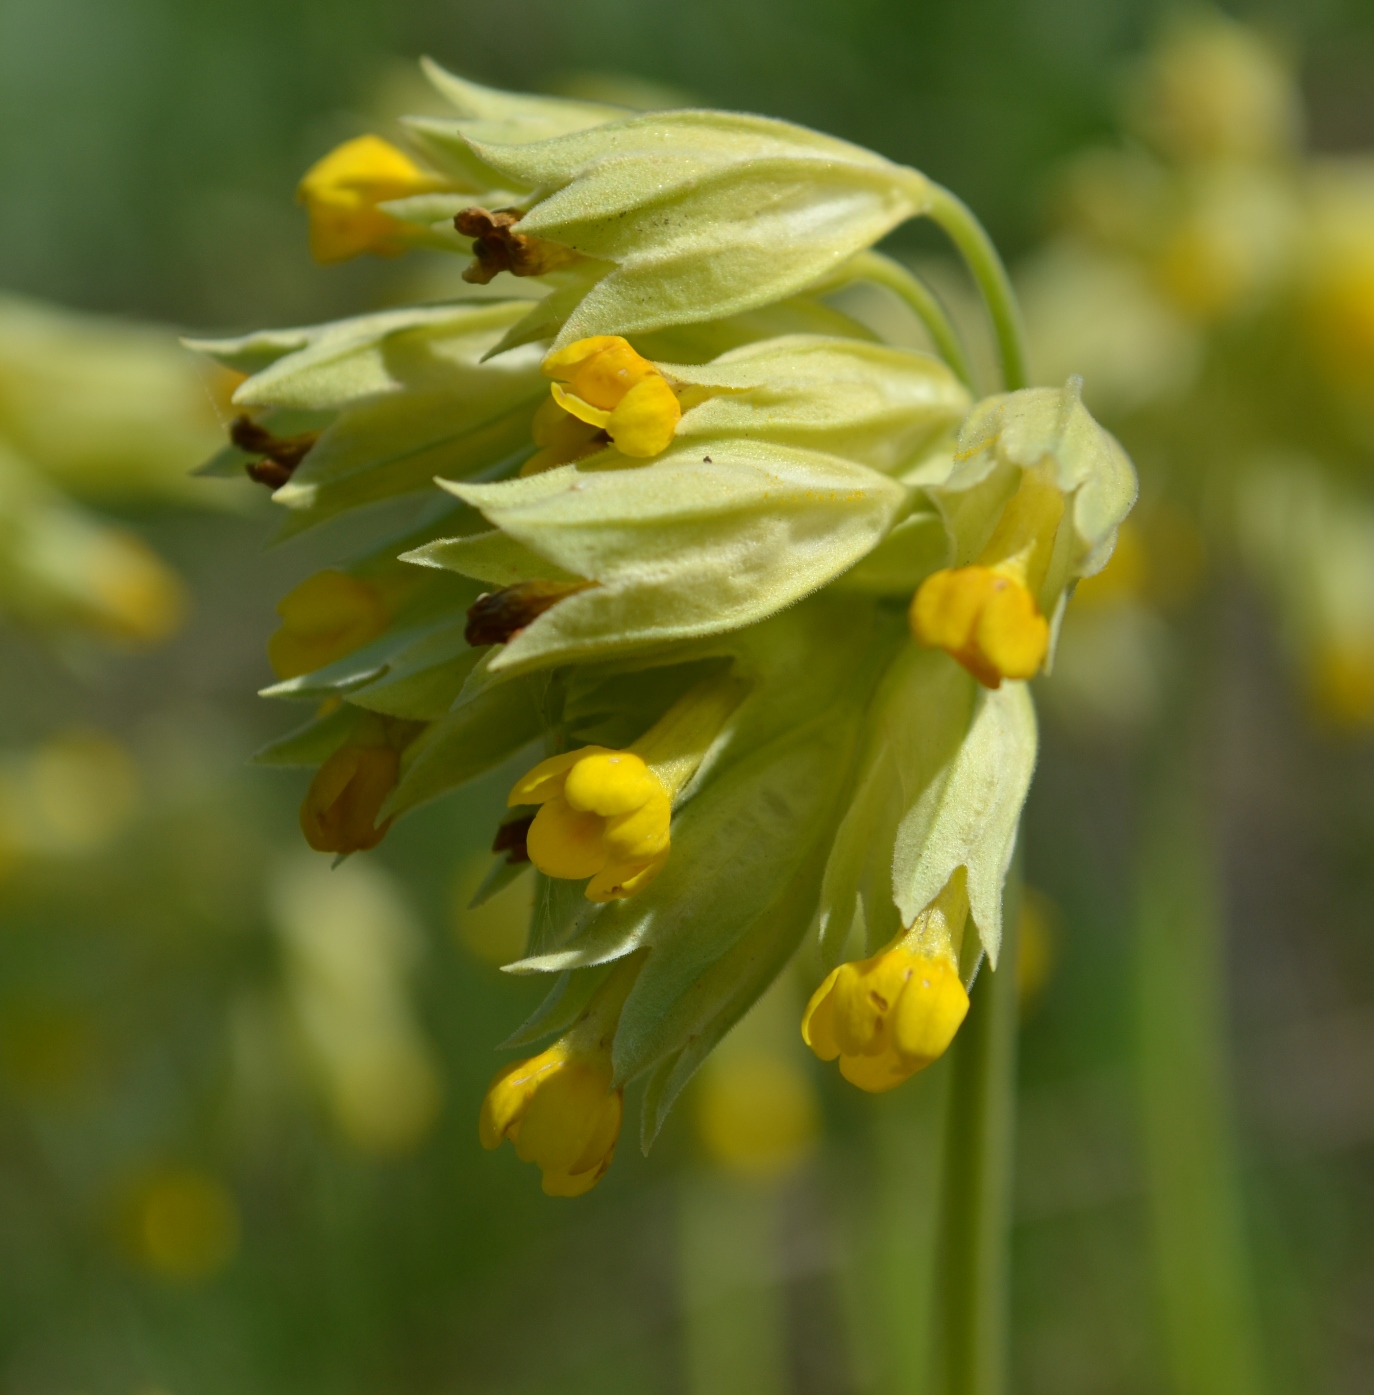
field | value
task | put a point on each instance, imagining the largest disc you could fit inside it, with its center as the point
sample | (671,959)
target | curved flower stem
(977,1239)
(884,271)
(975,246)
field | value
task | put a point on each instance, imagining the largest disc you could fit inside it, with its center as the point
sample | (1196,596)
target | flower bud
(562,1108)
(341,193)
(606,385)
(339,813)
(605,814)
(889,1016)
(560,1111)
(327,616)
(1033,502)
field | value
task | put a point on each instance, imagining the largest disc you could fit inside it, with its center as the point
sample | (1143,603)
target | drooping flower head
(683,503)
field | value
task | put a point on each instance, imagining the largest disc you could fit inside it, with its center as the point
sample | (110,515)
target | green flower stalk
(669,514)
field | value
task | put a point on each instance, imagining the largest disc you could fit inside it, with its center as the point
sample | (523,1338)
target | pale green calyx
(694,215)
(692,545)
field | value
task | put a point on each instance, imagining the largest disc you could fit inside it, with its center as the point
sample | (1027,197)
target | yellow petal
(1012,634)
(596,1156)
(564,1116)
(563,362)
(947,605)
(620,879)
(876,1074)
(604,377)
(818,1022)
(641,834)
(547,778)
(565,842)
(610,783)
(574,1183)
(643,423)
(929,1012)
(583,411)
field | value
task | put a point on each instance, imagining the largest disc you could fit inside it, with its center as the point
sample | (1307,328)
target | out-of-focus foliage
(179,1206)
(1216,286)
(95,412)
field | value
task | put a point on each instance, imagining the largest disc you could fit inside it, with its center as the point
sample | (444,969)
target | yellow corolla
(606,385)
(327,616)
(560,1112)
(986,615)
(888,1016)
(339,813)
(341,193)
(603,814)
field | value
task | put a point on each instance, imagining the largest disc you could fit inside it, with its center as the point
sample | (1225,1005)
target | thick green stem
(1202,1272)
(976,248)
(977,1240)
(883,271)
(733,1318)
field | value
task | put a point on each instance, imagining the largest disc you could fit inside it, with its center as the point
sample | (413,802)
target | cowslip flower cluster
(1219,281)
(741,597)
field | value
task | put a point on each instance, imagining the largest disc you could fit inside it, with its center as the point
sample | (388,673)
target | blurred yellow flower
(756,1112)
(183,1224)
(329,615)
(341,193)
(351,945)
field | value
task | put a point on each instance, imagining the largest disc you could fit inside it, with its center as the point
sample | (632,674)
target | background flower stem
(979,1167)
(1202,1272)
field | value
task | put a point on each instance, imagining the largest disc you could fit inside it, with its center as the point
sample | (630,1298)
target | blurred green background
(237,1119)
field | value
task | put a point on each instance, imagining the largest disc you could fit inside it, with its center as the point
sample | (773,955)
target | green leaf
(422,348)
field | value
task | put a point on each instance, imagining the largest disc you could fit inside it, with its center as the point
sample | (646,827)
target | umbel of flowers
(744,597)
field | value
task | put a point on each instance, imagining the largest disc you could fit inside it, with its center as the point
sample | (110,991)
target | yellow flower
(327,616)
(1341,681)
(183,1224)
(757,1113)
(339,814)
(562,1108)
(1126,577)
(560,1111)
(986,615)
(135,598)
(891,1015)
(604,814)
(341,193)
(613,389)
